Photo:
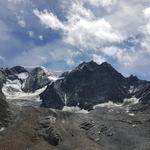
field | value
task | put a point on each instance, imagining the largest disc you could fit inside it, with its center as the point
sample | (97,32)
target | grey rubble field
(100,129)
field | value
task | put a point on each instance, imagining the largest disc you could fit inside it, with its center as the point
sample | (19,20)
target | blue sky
(60,34)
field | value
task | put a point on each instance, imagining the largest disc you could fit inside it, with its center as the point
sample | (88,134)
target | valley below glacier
(115,128)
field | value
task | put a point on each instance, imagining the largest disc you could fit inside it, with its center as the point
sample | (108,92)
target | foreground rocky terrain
(40,111)
(100,129)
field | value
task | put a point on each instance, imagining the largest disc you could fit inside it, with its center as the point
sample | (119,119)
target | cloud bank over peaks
(104,3)
(48,19)
(60,34)
(145,29)
(81,28)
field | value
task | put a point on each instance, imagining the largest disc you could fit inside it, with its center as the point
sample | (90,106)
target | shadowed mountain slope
(90,84)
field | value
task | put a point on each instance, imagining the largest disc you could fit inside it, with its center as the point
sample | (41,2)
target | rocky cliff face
(3,103)
(90,84)
(36,79)
(30,79)
(87,85)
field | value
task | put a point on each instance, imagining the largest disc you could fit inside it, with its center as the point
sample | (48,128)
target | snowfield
(22,76)
(110,104)
(13,90)
(74,109)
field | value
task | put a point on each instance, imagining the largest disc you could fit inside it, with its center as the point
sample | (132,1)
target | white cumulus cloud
(98,59)
(2,58)
(49,19)
(103,3)
(146,12)
(82,28)
(145,29)
(123,56)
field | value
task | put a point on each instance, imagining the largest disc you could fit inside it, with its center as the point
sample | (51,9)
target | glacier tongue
(12,90)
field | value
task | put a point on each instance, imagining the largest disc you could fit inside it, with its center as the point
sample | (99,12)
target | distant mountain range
(90,84)
(87,85)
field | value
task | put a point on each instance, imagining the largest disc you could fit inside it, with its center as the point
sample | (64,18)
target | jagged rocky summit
(85,86)
(90,84)
(31,79)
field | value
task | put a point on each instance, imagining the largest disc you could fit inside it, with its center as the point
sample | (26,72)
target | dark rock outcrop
(11,73)
(15,70)
(56,95)
(4,114)
(48,131)
(87,85)
(37,79)
(140,88)
(90,84)
(33,79)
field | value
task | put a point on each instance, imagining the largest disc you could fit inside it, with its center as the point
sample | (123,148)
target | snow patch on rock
(22,76)
(131,114)
(13,90)
(2,129)
(53,78)
(74,109)
(131,101)
(126,102)
(109,104)
(132,89)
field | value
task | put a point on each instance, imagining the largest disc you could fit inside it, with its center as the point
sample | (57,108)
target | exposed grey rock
(86,125)
(37,79)
(15,70)
(87,85)
(4,113)
(100,129)
(48,131)
(90,84)
(56,96)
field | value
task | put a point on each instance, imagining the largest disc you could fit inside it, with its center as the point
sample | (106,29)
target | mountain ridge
(86,85)
(111,125)
(89,84)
